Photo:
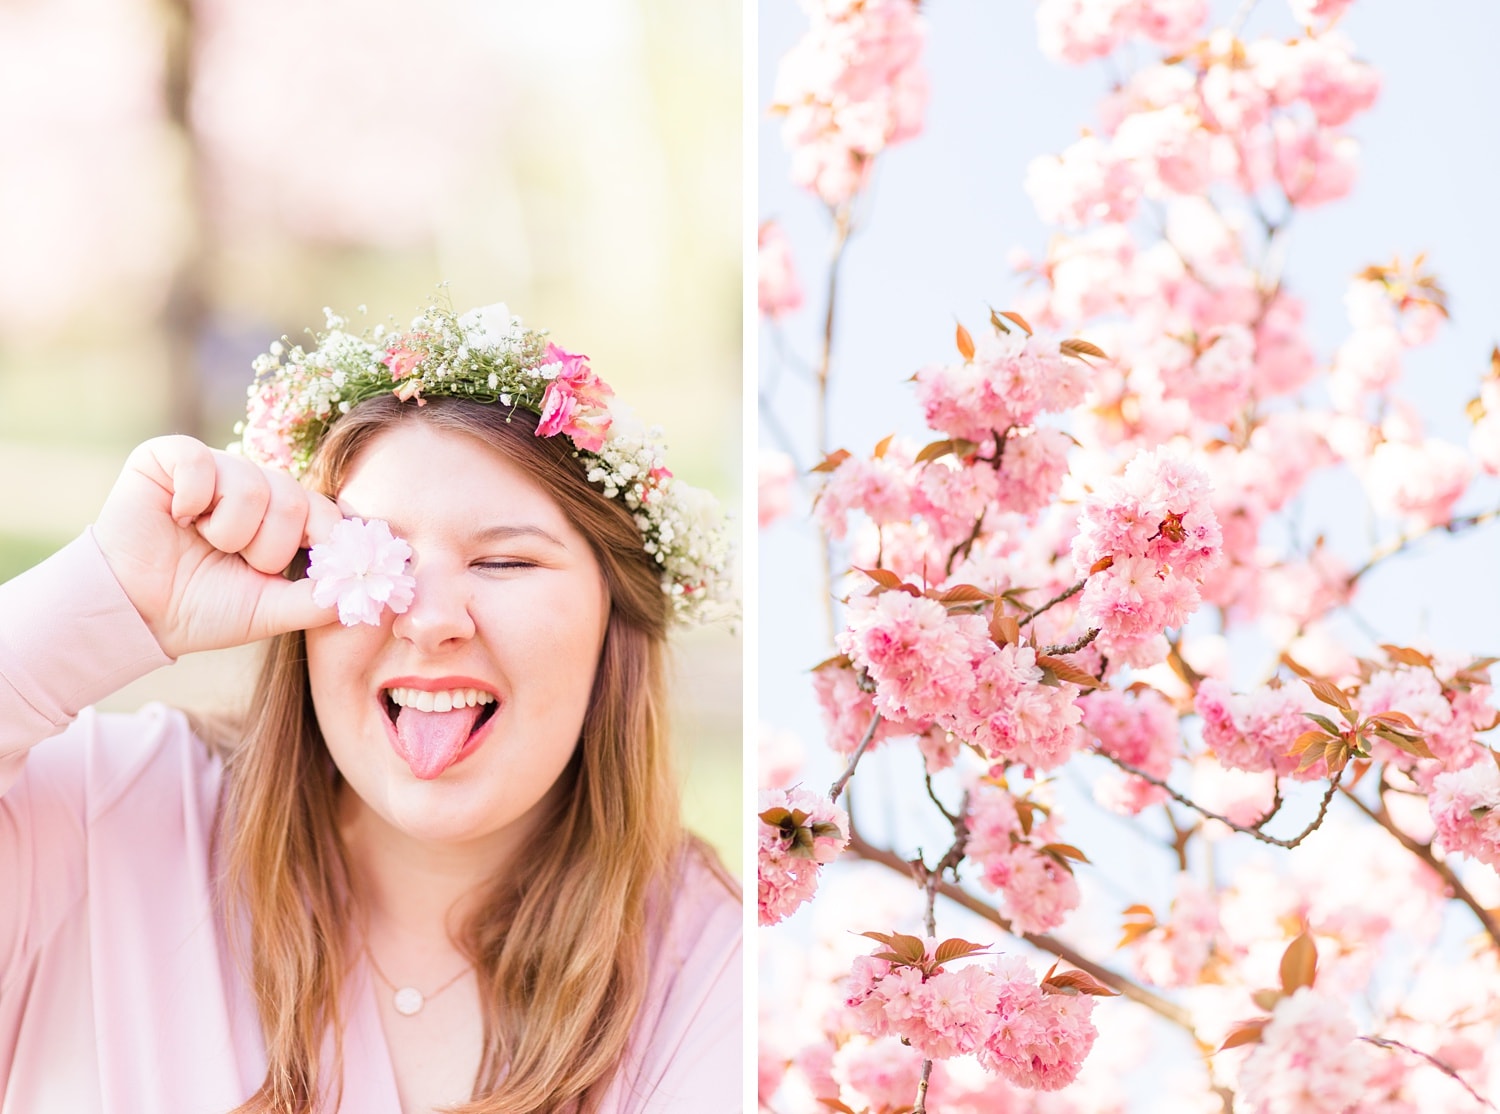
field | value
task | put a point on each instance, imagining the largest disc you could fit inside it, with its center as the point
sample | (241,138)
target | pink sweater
(117,992)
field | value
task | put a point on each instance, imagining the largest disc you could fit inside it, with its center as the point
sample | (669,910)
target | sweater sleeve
(69,636)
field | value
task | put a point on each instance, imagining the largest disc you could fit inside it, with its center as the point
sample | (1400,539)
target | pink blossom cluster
(850,88)
(1078,30)
(1012,379)
(1308,1060)
(1000,1013)
(1465,806)
(776,482)
(931,666)
(1255,731)
(1449,718)
(778,290)
(1038,888)
(1144,543)
(1178,951)
(1138,727)
(813,832)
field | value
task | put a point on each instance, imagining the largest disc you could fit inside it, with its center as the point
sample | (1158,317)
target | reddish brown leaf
(1018,319)
(1329,693)
(838,661)
(1075,982)
(1066,671)
(1005,630)
(1405,743)
(1406,656)
(1066,851)
(1100,565)
(1308,739)
(832,460)
(1246,1032)
(1299,964)
(1398,720)
(835,1104)
(955,949)
(963,593)
(955,445)
(885,443)
(965,344)
(1081,348)
(1292,664)
(1266,999)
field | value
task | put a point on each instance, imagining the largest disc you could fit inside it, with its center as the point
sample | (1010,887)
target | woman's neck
(409,890)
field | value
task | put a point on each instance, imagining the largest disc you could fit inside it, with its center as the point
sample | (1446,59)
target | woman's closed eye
(509,564)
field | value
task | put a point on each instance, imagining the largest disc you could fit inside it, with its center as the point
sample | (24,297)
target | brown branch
(921,1106)
(837,788)
(1074,646)
(1424,852)
(1067,594)
(1446,1069)
(1405,541)
(1158,1005)
(1249,830)
(841,230)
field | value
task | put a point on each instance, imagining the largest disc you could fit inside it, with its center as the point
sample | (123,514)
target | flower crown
(489,356)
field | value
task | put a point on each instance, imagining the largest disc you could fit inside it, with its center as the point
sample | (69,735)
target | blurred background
(184,181)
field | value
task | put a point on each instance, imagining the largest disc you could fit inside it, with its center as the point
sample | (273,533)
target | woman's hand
(198,539)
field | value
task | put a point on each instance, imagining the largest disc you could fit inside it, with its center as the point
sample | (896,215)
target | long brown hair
(559,942)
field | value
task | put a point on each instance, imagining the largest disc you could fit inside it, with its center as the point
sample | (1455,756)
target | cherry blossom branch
(1405,541)
(1169,1011)
(931,880)
(841,229)
(1241,15)
(1074,646)
(964,546)
(1253,830)
(842,226)
(837,788)
(1423,851)
(1449,1071)
(1066,594)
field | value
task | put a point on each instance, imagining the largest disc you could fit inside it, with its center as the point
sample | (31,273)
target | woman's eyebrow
(505,533)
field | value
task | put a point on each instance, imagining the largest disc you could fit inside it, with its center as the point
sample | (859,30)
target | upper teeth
(424,701)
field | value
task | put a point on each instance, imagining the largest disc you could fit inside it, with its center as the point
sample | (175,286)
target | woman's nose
(439,611)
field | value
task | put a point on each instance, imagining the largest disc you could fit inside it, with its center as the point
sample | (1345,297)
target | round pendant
(408,1000)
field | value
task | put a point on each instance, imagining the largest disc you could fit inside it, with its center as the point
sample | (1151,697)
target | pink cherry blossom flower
(1465,806)
(362,569)
(1308,1060)
(576,402)
(1088,182)
(799,832)
(777,478)
(779,291)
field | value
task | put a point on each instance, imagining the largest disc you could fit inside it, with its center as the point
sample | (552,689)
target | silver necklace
(408,1000)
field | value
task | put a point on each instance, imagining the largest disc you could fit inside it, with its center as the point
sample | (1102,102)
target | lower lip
(475,740)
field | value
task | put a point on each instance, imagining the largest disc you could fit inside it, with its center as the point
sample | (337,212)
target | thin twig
(1249,830)
(1449,1071)
(1137,993)
(842,227)
(1075,646)
(1424,852)
(1055,600)
(838,787)
(1452,526)
(921,1104)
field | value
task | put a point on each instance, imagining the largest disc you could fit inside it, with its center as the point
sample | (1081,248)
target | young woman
(441,867)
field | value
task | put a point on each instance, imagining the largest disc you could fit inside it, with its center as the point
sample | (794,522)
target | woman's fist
(198,539)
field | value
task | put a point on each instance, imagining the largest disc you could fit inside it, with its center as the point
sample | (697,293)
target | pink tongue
(430,741)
